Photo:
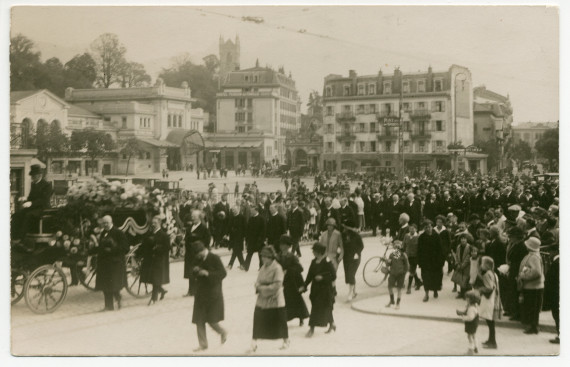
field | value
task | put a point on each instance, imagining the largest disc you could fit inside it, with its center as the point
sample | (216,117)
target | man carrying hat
(38,200)
(209,299)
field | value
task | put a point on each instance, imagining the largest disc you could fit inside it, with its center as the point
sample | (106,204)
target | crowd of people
(498,235)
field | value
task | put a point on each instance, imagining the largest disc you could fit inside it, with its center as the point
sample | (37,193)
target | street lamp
(455,111)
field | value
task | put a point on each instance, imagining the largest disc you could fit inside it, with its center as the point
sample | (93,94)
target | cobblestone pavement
(77,328)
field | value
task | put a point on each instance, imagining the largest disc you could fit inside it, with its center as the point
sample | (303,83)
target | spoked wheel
(372,271)
(17,285)
(87,272)
(135,287)
(46,289)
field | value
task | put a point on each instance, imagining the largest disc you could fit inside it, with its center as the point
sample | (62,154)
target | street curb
(499,323)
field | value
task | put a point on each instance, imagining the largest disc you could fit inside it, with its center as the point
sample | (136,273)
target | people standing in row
(155,267)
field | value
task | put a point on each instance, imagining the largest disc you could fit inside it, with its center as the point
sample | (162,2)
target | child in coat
(470,317)
(399,266)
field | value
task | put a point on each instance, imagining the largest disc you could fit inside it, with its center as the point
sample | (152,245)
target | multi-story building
(433,109)
(256,108)
(531,132)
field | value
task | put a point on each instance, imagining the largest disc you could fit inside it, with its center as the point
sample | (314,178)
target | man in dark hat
(209,299)
(39,199)
(516,251)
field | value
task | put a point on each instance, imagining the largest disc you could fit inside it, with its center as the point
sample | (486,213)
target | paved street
(77,328)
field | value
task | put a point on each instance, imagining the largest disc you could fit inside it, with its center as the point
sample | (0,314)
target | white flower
(124,196)
(59,234)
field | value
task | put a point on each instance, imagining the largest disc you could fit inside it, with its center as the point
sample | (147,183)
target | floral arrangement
(72,244)
(102,192)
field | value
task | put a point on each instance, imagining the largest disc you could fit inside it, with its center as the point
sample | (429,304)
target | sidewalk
(438,309)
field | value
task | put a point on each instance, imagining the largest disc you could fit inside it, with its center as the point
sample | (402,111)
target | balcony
(420,114)
(420,134)
(345,135)
(390,136)
(345,116)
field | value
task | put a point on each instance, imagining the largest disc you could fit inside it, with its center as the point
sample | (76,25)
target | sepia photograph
(288,180)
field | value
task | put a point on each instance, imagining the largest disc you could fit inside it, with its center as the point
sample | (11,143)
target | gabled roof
(18,96)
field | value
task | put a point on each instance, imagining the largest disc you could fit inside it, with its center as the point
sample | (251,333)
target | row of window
(287,93)
(144,122)
(288,119)
(388,147)
(370,88)
(389,108)
(243,102)
(373,127)
(286,106)
(174,120)
(241,116)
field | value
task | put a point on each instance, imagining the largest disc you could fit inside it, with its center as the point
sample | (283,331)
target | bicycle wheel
(372,273)
(88,275)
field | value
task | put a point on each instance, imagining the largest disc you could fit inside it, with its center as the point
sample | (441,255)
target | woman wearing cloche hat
(531,283)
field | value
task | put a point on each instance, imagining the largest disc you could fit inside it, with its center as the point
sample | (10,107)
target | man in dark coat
(221,219)
(111,267)
(327,212)
(413,208)
(254,236)
(432,207)
(209,301)
(346,214)
(376,207)
(392,210)
(236,234)
(430,260)
(155,267)
(275,227)
(27,218)
(516,251)
(447,204)
(462,206)
(195,231)
(295,225)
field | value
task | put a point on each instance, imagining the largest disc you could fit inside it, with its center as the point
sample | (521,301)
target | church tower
(229,56)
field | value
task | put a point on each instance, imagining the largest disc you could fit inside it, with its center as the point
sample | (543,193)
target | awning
(232,144)
(158,143)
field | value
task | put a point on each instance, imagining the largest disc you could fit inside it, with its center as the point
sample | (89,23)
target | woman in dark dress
(321,274)
(353,247)
(430,260)
(155,266)
(292,281)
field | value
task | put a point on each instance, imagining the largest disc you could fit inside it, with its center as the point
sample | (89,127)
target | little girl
(474,261)
(471,318)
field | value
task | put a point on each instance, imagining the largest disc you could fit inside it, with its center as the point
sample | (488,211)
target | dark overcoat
(209,298)
(322,292)
(111,265)
(431,260)
(155,250)
(255,233)
(275,229)
(292,281)
(296,223)
(236,231)
(200,233)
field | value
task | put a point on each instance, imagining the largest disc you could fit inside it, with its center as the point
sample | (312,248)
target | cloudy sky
(511,50)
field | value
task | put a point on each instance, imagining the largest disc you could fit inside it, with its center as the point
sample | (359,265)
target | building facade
(435,110)
(257,105)
(531,132)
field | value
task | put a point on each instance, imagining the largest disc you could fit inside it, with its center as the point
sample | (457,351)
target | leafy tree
(92,144)
(130,148)
(200,78)
(58,140)
(109,55)
(547,146)
(133,74)
(212,63)
(25,64)
(492,148)
(80,72)
(52,77)
(521,151)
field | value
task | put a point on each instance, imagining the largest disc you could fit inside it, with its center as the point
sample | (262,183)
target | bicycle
(375,271)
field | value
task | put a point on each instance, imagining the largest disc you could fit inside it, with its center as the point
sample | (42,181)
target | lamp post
(455,113)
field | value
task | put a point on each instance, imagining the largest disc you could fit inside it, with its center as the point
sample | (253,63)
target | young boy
(399,266)
(410,246)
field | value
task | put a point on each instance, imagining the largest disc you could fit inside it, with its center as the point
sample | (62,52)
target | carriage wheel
(17,285)
(87,273)
(372,271)
(134,285)
(45,289)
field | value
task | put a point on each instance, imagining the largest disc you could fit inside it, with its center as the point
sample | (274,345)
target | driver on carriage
(26,219)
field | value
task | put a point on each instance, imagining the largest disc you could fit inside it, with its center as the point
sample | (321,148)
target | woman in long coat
(430,260)
(155,266)
(270,316)
(196,230)
(321,274)
(292,281)
(353,247)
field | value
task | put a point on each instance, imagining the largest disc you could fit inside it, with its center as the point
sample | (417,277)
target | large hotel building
(434,110)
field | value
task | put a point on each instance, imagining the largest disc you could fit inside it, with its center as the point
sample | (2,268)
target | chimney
(352,74)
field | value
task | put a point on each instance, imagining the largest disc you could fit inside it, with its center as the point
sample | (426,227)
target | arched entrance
(300,158)
(190,143)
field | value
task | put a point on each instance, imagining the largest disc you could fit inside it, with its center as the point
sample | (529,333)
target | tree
(80,72)
(521,151)
(201,80)
(212,63)
(52,77)
(131,148)
(547,146)
(493,150)
(109,54)
(92,144)
(133,74)
(25,64)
